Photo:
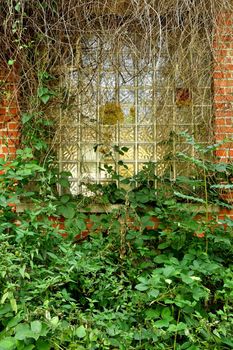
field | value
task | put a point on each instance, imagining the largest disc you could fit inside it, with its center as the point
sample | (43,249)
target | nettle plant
(154,272)
(202,186)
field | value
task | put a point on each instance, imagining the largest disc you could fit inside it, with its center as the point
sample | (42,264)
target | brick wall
(222,100)
(9,112)
(223,85)
(223,90)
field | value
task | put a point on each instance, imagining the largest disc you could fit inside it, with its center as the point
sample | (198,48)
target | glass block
(164,97)
(108,94)
(202,96)
(130,114)
(88,110)
(108,79)
(126,59)
(188,129)
(69,153)
(183,148)
(103,172)
(164,115)
(164,151)
(145,133)
(145,114)
(146,152)
(88,171)
(145,79)
(127,134)
(87,153)
(129,155)
(89,134)
(203,133)
(88,59)
(127,172)
(145,96)
(108,62)
(203,115)
(163,168)
(68,134)
(74,188)
(164,133)
(183,169)
(127,96)
(71,167)
(108,134)
(126,78)
(73,78)
(184,115)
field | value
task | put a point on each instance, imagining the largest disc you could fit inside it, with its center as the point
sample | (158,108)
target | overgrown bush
(135,283)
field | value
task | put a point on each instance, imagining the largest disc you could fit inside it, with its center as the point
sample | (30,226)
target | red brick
(225,129)
(13,126)
(223,59)
(224,67)
(223,98)
(220,121)
(224,82)
(222,45)
(221,153)
(222,75)
(219,136)
(9,134)
(228,145)
(229,121)
(222,113)
(5,118)
(11,103)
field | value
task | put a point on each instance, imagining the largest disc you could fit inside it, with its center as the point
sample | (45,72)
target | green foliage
(154,273)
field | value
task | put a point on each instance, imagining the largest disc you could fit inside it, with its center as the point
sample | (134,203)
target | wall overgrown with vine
(41,39)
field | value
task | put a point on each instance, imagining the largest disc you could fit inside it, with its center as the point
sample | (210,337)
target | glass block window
(118,98)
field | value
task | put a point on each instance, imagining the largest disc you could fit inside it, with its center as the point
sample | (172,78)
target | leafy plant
(153,273)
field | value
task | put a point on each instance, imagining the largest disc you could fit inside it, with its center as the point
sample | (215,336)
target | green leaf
(10,62)
(228,341)
(14,321)
(22,332)
(142,287)
(26,117)
(164,245)
(42,345)
(187,279)
(67,211)
(45,98)
(161,323)
(29,347)
(17,7)
(189,198)
(64,182)
(80,332)
(65,198)
(7,344)
(54,321)
(169,271)
(36,326)
(166,313)
(152,314)
(176,328)
(13,304)
(154,293)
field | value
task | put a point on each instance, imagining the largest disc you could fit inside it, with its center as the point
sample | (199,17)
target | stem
(206,208)
(175,337)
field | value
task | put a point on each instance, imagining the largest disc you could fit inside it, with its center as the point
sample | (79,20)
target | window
(119,95)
